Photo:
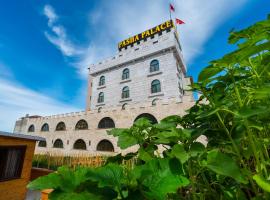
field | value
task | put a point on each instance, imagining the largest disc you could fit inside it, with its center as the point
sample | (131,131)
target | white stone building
(147,77)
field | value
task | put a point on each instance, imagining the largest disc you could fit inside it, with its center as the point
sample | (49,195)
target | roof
(21,136)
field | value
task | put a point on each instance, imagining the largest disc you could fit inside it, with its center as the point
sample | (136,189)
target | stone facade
(172,99)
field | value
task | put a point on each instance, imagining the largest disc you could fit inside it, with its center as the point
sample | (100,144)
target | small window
(31,128)
(79,144)
(106,122)
(154,102)
(105,145)
(154,66)
(99,109)
(58,144)
(45,127)
(125,74)
(155,86)
(42,144)
(81,125)
(101,97)
(155,42)
(125,92)
(124,106)
(61,126)
(11,162)
(102,81)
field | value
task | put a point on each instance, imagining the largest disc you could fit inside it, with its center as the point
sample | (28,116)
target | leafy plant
(233,112)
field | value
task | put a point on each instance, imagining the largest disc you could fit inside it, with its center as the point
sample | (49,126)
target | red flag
(172,8)
(179,21)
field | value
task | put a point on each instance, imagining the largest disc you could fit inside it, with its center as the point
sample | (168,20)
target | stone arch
(105,145)
(61,126)
(81,125)
(58,144)
(45,127)
(148,116)
(31,128)
(79,144)
(42,144)
(106,122)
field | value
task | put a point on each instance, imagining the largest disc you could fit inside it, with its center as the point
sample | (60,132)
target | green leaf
(196,148)
(262,182)
(125,137)
(223,164)
(51,181)
(209,72)
(179,152)
(74,196)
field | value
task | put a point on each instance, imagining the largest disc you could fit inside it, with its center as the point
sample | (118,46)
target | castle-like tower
(146,78)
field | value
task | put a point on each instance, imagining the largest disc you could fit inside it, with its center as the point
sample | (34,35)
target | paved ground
(32,195)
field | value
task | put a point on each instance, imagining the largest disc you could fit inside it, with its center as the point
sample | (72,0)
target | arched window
(42,143)
(99,109)
(58,144)
(31,128)
(60,126)
(81,125)
(45,127)
(102,81)
(155,86)
(154,66)
(154,102)
(148,116)
(125,74)
(79,144)
(125,92)
(105,145)
(106,122)
(100,97)
(124,106)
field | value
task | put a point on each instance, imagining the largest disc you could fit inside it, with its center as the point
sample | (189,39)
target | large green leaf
(223,164)
(179,152)
(209,72)
(50,181)
(262,182)
(125,137)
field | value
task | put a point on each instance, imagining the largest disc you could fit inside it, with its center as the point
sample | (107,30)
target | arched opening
(101,97)
(154,102)
(99,109)
(45,127)
(154,66)
(61,126)
(102,81)
(31,128)
(106,122)
(125,74)
(105,145)
(81,125)
(124,106)
(79,144)
(148,116)
(125,92)
(58,144)
(42,144)
(155,86)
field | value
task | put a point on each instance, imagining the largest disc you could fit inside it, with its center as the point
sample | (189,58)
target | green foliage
(233,112)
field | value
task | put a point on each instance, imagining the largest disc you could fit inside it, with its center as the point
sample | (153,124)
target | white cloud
(16,101)
(58,35)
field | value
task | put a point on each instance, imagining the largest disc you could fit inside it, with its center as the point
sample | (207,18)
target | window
(11,162)
(105,145)
(81,125)
(61,126)
(125,92)
(148,116)
(154,102)
(42,144)
(31,128)
(155,86)
(125,74)
(100,97)
(45,127)
(124,106)
(154,66)
(79,144)
(99,109)
(58,144)
(106,122)
(102,81)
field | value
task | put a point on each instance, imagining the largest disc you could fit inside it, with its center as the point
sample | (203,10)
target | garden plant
(232,111)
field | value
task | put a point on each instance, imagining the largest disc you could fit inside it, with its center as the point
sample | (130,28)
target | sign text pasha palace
(136,38)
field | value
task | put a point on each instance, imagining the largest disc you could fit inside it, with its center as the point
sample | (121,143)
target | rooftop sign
(136,38)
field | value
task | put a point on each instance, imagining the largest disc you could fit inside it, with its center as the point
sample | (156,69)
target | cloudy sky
(47,46)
